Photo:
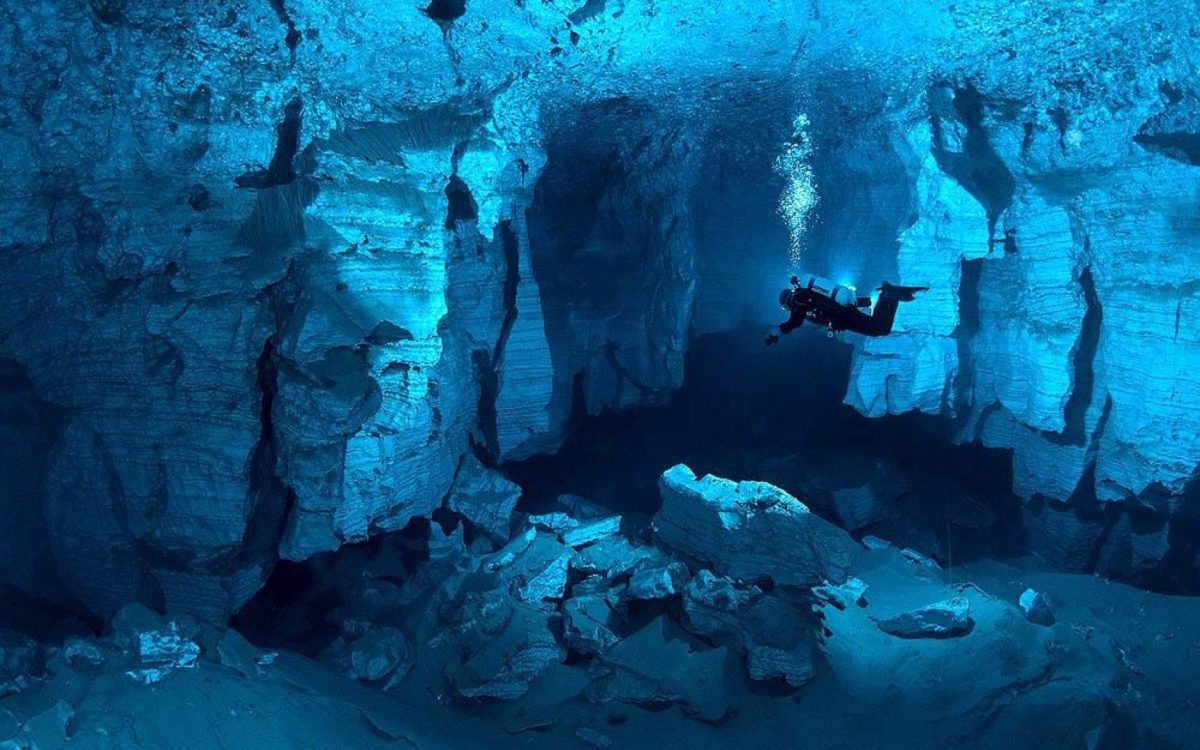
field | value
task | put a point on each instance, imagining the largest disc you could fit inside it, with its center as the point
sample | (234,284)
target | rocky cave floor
(713,614)
(455,657)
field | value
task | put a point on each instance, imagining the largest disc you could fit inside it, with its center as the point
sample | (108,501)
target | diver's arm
(794,321)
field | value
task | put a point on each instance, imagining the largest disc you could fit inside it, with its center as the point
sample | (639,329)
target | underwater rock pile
(596,635)
(596,593)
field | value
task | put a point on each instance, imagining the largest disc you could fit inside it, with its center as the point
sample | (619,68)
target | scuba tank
(839,293)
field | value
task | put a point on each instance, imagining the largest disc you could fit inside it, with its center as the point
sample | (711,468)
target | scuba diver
(838,308)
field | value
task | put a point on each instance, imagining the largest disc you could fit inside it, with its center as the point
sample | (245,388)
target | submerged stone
(750,530)
(946,619)
(853,591)
(586,624)
(652,670)
(484,498)
(586,533)
(658,582)
(1036,607)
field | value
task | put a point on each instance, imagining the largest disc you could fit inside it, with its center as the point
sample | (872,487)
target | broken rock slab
(593,531)
(658,582)
(653,670)
(484,498)
(946,619)
(586,624)
(750,530)
(774,633)
(853,591)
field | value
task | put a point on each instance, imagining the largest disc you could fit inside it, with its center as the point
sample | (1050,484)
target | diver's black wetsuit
(808,304)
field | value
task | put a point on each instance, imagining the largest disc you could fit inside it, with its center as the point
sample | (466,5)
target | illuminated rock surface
(750,530)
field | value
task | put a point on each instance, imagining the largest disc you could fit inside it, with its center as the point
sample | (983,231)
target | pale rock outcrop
(946,619)
(750,530)
(1036,607)
(1048,224)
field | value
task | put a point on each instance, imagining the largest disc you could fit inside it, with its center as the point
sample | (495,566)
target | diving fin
(902,293)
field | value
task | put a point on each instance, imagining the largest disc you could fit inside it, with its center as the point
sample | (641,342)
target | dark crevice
(1083,500)
(978,168)
(1176,571)
(968,326)
(200,199)
(281,170)
(587,11)
(1180,146)
(386,332)
(1058,116)
(1083,365)
(485,411)
(270,499)
(1010,242)
(646,392)
(1173,133)
(1112,516)
(510,245)
(293,36)
(461,205)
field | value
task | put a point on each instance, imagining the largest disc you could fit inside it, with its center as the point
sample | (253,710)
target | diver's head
(785,298)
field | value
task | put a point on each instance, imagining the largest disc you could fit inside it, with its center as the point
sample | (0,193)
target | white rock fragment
(1036,607)
(945,619)
(750,530)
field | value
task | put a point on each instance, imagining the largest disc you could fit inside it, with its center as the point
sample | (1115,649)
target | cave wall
(279,266)
(1055,223)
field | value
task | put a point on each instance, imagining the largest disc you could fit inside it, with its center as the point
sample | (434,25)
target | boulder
(873,542)
(484,498)
(616,557)
(775,633)
(534,566)
(853,591)
(1036,607)
(658,582)
(162,652)
(593,531)
(586,624)
(713,604)
(380,653)
(652,670)
(495,645)
(946,619)
(750,530)
(19,661)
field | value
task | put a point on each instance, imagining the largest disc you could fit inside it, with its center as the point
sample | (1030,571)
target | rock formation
(750,531)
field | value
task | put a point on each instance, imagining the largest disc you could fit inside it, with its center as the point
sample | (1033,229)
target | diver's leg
(883,317)
(879,324)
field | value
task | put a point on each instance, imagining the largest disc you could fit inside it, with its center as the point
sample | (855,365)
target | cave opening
(737,409)
(746,412)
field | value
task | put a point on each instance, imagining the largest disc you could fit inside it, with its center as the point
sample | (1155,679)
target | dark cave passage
(744,410)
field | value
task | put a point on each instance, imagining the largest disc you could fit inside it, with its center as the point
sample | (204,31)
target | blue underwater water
(381,374)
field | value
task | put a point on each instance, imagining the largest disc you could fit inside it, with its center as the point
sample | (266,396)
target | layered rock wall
(273,274)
